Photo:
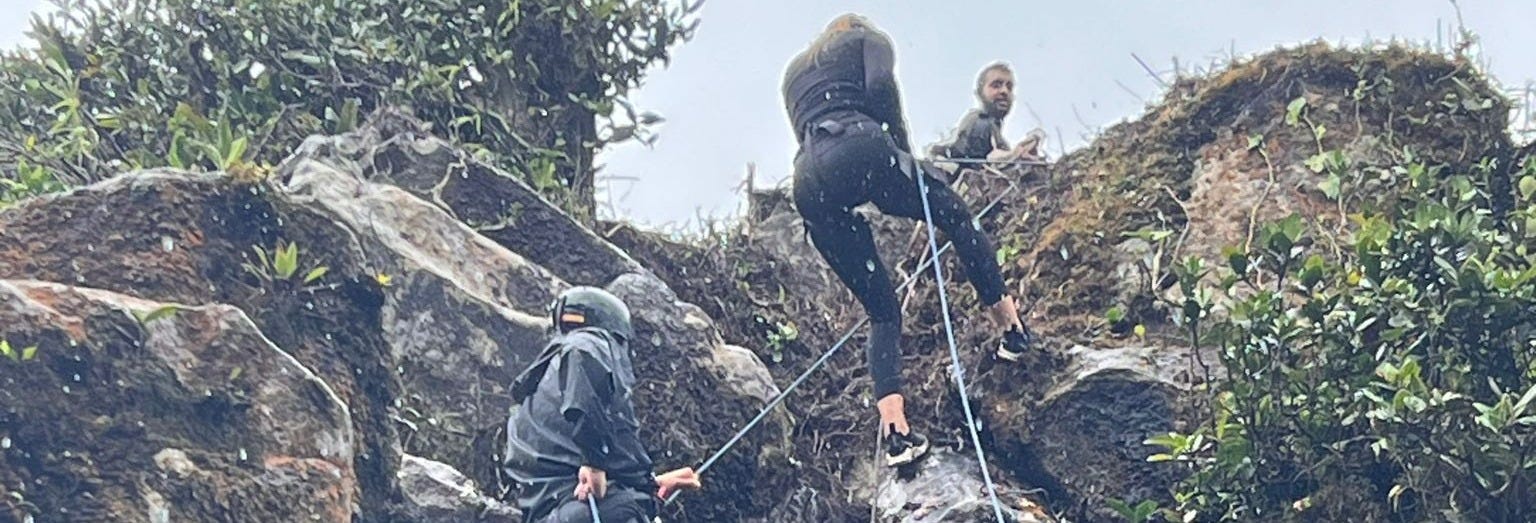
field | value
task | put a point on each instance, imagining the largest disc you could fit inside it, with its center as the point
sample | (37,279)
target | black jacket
(978,134)
(854,72)
(573,409)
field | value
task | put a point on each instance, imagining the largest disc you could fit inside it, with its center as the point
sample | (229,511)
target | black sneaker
(1015,343)
(901,449)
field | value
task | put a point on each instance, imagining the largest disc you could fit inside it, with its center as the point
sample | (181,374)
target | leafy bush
(1390,380)
(236,84)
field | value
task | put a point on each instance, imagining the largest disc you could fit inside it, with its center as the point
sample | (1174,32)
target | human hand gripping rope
(935,252)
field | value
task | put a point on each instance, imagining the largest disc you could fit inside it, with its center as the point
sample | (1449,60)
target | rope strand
(954,352)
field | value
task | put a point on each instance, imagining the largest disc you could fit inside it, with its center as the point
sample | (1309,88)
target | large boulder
(1085,438)
(122,409)
(188,238)
(394,148)
(947,487)
(694,393)
(461,314)
(436,493)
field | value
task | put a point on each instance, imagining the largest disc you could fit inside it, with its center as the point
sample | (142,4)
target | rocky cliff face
(335,342)
(414,321)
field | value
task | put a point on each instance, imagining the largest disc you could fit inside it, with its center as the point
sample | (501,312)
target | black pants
(620,505)
(853,161)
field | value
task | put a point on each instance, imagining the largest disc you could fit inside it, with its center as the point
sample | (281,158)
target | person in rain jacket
(843,103)
(573,433)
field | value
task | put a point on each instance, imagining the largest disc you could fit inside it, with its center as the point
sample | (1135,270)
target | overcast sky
(721,96)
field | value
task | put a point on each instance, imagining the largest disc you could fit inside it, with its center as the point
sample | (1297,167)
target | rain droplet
(893,161)
(79,278)
(976,223)
(309,305)
(167,243)
(73,343)
(90,247)
(869,265)
(327,336)
(77,378)
(828,95)
(253,191)
(66,389)
(242,454)
(5,443)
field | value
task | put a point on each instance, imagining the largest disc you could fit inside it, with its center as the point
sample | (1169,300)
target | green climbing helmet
(584,306)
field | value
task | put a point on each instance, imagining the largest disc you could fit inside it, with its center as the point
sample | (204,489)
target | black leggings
(854,161)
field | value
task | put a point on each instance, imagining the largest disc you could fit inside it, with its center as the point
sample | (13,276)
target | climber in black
(843,102)
(980,133)
(573,433)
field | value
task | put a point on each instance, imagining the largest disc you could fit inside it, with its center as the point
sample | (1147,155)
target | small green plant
(1140,513)
(1005,253)
(26,354)
(281,265)
(31,180)
(1114,315)
(784,334)
(159,313)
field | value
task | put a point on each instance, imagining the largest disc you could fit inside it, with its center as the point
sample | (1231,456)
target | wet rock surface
(946,486)
(436,493)
(125,409)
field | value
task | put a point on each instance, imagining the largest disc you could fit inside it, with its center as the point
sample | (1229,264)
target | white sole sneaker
(910,454)
(1007,355)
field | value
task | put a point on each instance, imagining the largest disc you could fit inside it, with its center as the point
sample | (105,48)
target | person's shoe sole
(907,456)
(1008,355)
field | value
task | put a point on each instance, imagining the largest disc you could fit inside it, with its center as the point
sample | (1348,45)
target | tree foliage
(235,85)
(1392,380)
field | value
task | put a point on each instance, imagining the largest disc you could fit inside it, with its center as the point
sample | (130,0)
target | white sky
(721,93)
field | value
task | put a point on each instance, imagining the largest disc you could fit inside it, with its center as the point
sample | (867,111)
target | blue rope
(954,353)
(592,502)
(828,355)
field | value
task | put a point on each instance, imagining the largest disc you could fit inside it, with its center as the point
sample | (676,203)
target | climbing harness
(849,335)
(954,352)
